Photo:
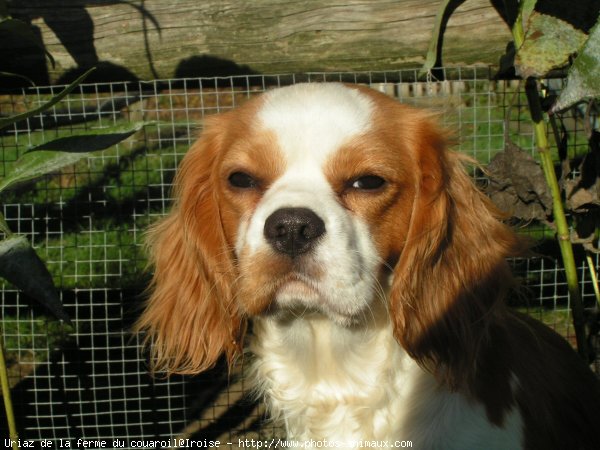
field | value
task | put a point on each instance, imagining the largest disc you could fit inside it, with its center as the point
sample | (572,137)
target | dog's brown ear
(452,274)
(190,318)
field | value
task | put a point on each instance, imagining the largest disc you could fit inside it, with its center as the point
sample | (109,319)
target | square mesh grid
(90,381)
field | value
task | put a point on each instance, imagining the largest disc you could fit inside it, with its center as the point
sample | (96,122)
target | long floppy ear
(452,275)
(190,317)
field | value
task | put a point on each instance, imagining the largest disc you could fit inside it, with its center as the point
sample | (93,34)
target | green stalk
(560,220)
(593,276)
(563,236)
(10,414)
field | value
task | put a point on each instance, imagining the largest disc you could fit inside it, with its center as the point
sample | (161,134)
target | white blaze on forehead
(311,121)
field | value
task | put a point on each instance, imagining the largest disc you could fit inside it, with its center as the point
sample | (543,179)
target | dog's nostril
(293,231)
(281,231)
(306,232)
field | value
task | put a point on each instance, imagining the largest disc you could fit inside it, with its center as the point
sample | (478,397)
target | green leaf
(54,155)
(24,32)
(6,121)
(549,43)
(432,52)
(92,140)
(582,82)
(526,7)
(21,266)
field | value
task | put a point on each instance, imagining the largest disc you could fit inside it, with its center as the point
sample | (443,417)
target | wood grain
(174,38)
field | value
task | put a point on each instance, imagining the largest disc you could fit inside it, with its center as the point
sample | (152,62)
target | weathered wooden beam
(151,39)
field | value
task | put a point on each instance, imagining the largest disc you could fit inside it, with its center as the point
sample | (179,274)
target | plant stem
(563,236)
(560,220)
(10,414)
(593,276)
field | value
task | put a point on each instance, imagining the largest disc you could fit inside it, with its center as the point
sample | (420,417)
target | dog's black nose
(293,231)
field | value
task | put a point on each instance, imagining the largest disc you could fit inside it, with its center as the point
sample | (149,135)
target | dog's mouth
(301,311)
(299,297)
(281,287)
(296,287)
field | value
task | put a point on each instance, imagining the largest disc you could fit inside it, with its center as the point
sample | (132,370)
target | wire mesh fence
(90,380)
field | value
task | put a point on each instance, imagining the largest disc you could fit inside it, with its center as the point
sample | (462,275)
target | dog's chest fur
(348,386)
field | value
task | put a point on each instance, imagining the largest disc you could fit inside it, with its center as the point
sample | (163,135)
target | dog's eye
(242,180)
(368,183)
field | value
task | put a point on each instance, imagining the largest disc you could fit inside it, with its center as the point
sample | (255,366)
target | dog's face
(309,199)
(317,201)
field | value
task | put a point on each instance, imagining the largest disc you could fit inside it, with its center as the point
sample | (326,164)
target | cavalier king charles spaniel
(375,276)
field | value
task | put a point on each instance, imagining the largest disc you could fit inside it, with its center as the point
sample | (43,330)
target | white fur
(348,386)
(330,368)
(310,124)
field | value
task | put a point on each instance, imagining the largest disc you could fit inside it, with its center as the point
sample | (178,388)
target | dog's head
(324,198)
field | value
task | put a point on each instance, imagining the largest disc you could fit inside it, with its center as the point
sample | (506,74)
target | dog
(375,275)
